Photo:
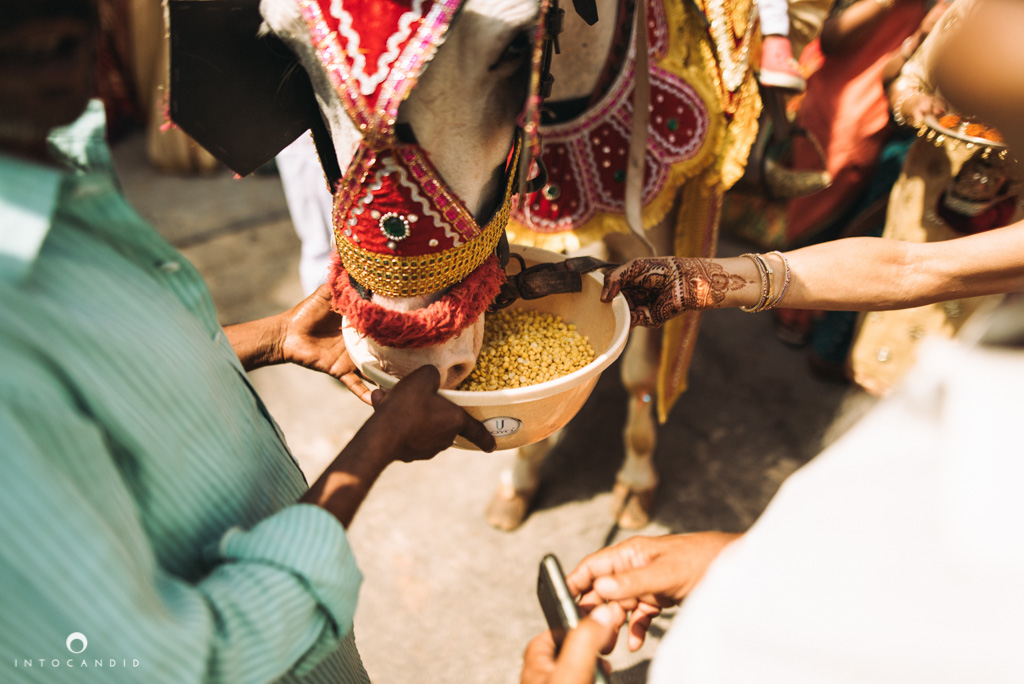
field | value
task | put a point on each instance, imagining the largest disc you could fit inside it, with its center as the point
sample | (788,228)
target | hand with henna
(658,288)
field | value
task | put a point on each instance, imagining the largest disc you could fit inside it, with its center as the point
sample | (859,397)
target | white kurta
(897,555)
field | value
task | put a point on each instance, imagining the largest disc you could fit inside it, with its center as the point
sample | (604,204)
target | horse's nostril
(456,374)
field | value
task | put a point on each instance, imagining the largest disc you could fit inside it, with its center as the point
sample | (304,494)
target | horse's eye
(518,48)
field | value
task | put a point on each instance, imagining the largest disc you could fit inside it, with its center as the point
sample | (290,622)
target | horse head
(422,100)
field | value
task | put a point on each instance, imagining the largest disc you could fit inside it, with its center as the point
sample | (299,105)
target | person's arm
(851,274)
(848,27)
(411,422)
(911,43)
(877,274)
(308,335)
(913,94)
(76,556)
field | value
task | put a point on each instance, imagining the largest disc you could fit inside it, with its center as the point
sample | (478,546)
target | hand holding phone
(560,609)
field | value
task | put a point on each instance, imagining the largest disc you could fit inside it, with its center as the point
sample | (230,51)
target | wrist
(341,488)
(275,338)
(257,343)
(773,280)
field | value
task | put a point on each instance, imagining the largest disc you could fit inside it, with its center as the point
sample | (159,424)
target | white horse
(463,113)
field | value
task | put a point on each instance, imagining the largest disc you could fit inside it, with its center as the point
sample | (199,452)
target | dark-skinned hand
(312,338)
(420,422)
(578,658)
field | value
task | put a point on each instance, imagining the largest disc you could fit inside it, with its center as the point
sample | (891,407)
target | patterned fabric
(400,231)
(148,498)
(704,119)
(586,157)
(374,50)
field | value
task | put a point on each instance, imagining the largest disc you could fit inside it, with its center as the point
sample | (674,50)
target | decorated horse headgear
(399,230)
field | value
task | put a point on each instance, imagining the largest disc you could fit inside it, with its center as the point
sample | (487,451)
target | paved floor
(448,599)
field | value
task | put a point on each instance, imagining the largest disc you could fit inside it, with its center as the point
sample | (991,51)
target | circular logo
(502,426)
(79,637)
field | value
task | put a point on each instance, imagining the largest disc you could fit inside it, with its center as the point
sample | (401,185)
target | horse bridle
(529,283)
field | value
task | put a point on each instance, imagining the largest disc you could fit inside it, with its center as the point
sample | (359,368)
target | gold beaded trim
(414,276)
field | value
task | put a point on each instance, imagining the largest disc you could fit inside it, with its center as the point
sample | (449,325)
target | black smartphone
(559,607)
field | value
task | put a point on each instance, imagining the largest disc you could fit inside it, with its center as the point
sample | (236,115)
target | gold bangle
(763,272)
(785,282)
(771,281)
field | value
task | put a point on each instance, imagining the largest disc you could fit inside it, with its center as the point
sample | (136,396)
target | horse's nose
(454,374)
(454,359)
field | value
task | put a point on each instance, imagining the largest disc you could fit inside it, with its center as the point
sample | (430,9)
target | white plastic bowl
(524,415)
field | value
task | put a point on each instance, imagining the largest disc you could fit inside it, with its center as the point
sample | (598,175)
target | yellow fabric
(696,234)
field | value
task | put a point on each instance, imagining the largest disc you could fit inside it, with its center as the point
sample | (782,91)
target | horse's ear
(240,95)
(587,9)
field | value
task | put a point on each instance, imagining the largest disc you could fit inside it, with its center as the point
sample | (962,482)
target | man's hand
(418,422)
(308,335)
(643,575)
(658,288)
(312,338)
(579,655)
(411,423)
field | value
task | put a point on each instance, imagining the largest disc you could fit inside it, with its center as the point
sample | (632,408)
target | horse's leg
(519,482)
(518,485)
(637,480)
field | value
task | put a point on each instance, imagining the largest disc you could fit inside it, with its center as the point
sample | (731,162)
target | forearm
(877,274)
(341,489)
(898,58)
(850,27)
(258,343)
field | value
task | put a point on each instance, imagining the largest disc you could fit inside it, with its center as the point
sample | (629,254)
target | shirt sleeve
(75,558)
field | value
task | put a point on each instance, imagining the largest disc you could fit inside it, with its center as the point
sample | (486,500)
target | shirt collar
(30,192)
(28,199)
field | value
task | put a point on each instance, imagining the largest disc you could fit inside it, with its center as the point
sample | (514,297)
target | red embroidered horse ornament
(400,231)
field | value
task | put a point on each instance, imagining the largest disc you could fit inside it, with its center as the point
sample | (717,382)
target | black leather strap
(541,280)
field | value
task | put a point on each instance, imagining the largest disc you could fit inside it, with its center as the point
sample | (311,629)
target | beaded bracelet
(906,90)
(764,271)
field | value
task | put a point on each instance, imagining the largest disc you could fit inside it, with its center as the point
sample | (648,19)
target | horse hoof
(506,512)
(633,509)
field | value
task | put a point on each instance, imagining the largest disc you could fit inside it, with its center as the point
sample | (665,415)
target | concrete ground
(447,598)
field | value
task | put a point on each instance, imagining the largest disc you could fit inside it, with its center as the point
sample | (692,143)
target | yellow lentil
(522,348)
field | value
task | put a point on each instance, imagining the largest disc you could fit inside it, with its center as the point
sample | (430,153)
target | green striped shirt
(150,531)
